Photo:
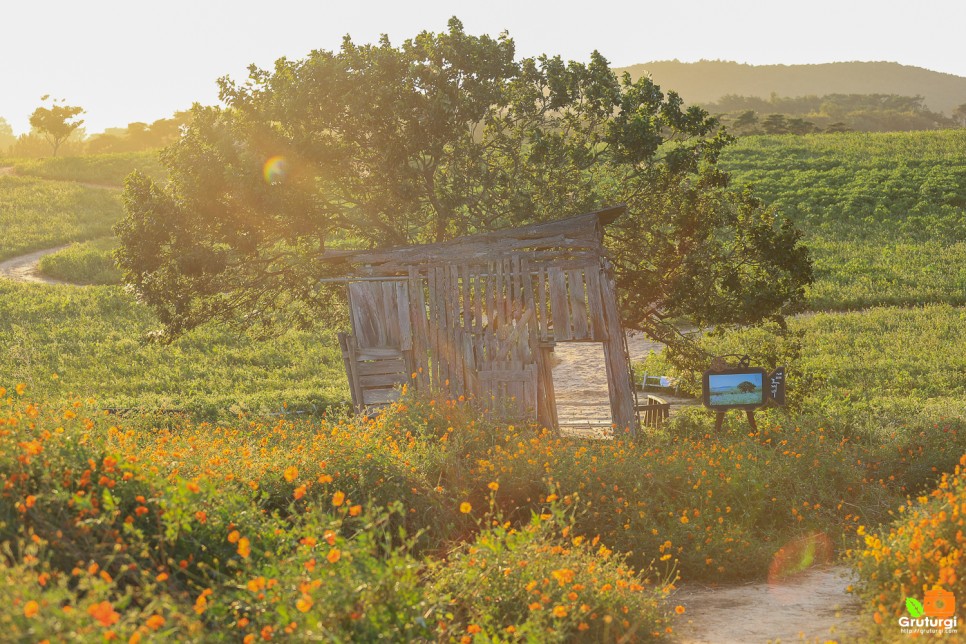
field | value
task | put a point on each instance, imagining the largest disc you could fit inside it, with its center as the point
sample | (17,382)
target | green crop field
(884,213)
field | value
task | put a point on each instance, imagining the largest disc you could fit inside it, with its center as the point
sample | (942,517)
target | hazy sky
(139,60)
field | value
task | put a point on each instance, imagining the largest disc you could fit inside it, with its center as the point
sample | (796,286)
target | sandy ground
(812,606)
(26,268)
(580,380)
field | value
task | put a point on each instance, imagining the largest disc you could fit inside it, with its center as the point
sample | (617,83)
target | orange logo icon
(939,603)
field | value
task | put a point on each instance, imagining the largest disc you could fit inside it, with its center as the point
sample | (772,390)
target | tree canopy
(57,122)
(444,135)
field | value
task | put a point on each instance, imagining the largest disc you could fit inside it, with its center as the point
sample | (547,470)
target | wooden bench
(654,411)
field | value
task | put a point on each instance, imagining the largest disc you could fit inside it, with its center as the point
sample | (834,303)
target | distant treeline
(830,113)
(136,137)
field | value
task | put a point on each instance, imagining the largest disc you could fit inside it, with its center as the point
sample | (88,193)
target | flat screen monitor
(735,388)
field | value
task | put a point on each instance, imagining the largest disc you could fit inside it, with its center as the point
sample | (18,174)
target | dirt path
(580,383)
(812,606)
(26,268)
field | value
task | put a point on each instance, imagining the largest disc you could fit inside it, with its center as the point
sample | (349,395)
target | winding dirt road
(26,268)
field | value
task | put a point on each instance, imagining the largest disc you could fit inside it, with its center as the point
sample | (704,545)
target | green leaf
(914,607)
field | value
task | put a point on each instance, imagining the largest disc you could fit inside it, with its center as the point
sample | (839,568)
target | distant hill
(708,80)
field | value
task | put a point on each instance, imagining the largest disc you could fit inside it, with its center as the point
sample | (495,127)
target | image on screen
(727,389)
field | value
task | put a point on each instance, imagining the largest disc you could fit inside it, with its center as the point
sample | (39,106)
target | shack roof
(569,240)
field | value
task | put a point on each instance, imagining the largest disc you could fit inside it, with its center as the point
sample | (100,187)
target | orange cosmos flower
(104,613)
(244,547)
(334,555)
(679,609)
(31,608)
(338,499)
(291,473)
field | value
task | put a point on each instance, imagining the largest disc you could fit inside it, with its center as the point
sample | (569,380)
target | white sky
(137,60)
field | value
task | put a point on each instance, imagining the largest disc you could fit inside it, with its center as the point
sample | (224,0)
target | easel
(719,420)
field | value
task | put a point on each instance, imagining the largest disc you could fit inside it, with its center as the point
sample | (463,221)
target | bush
(924,548)
(84,263)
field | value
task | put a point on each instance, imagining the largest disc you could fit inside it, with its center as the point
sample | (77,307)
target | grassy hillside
(707,81)
(885,214)
(36,214)
(104,169)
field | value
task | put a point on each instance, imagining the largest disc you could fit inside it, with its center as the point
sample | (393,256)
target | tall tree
(959,114)
(7,137)
(445,135)
(57,122)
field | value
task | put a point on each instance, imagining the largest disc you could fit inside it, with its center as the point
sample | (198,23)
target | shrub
(921,550)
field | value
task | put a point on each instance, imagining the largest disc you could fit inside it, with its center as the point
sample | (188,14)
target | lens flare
(800,555)
(275,169)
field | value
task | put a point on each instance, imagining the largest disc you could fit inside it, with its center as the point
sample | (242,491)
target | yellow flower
(559,611)
(244,547)
(493,485)
(465,507)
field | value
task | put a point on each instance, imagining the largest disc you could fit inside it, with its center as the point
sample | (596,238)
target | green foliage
(94,340)
(37,214)
(884,214)
(101,169)
(89,262)
(444,135)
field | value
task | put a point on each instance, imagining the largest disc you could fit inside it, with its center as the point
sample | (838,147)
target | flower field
(426,523)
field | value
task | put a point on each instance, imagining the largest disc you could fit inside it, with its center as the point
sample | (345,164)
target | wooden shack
(479,316)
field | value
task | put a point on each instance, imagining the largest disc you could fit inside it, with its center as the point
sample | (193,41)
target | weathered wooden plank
(348,361)
(404,315)
(466,295)
(419,321)
(380,396)
(559,305)
(458,385)
(433,329)
(544,310)
(366,314)
(546,399)
(377,353)
(390,318)
(374,367)
(578,305)
(382,380)
(616,363)
(595,305)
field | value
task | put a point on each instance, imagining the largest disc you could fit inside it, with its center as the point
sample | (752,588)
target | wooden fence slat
(558,305)
(542,302)
(578,305)
(595,305)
